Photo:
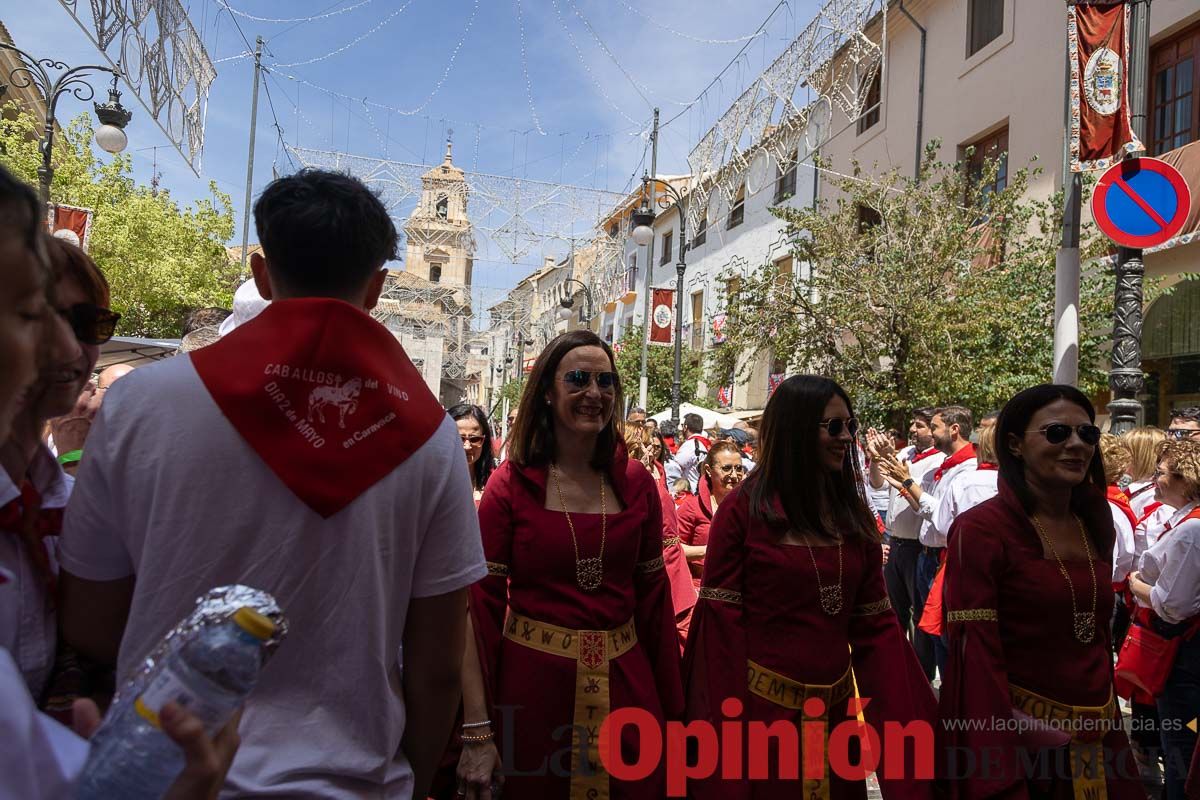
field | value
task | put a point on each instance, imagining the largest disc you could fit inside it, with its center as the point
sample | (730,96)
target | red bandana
(923,455)
(987,466)
(704,440)
(26,518)
(1118,498)
(324,394)
(964,454)
(1193,514)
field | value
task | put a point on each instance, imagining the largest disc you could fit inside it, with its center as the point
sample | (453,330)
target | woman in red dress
(575,617)
(721,472)
(640,443)
(793,608)
(1028,699)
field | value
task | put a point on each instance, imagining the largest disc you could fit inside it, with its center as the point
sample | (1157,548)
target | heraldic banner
(662,317)
(1098,40)
(70,223)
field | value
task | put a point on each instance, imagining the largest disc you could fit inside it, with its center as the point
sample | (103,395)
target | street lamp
(35,72)
(643,234)
(568,303)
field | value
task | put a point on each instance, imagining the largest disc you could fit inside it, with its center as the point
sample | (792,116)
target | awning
(135,352)
(1186,159)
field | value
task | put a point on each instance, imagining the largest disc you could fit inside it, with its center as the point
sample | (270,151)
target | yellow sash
(591,651)
(783,691)
(1086,727)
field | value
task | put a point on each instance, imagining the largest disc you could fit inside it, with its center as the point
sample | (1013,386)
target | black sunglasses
(835,426)
(582,379)
(91,323)
(1059,432)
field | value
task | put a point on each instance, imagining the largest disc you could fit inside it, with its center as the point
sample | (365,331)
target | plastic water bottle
(131,757)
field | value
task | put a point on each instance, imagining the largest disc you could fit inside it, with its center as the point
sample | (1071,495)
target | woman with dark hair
(1028,599)
(720,473)
(793,611)
(575,617)
(476,436)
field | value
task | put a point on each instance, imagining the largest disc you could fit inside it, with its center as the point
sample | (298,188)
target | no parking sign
(1141,202)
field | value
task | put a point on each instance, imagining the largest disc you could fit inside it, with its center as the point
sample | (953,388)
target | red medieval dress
(695,518)
(1015,663)
(759,634)
(683,590)
(556,656)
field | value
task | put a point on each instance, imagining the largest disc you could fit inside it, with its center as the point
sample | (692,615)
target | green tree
(919,292)
(660,366)
(162,261)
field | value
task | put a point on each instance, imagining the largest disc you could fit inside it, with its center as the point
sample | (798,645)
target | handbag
(1147,658)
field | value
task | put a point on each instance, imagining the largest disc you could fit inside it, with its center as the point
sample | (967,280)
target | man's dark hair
(924,414)
(1189,413)
(693,423)
(323,233)
(956,415)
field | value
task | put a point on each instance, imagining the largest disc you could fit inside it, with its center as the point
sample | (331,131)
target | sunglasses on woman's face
(836,425)
(474,441)
(91,324)
(1060,432)
(580,379)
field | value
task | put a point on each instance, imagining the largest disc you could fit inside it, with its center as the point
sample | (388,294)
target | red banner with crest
(662,316)
(1098,41)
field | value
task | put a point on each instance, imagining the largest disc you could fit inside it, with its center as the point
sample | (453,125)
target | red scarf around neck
(924,454)
(1118,498)
(987,466)
(964,454)
(324,394)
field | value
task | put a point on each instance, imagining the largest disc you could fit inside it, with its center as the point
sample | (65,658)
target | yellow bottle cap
(254,623)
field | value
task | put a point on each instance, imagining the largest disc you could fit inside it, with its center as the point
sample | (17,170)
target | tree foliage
(660,366)
(161,260)
(914,293)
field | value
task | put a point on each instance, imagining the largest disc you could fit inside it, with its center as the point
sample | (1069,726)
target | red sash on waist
(324,394)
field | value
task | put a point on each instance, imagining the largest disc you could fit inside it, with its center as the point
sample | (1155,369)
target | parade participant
(645,447)
(950,429)
(636,416)
(661,454)
(1167,590)
(575,616)
(904,526)
(1185,423)
(793,599)
(1028,598)
(721,471)
(33,487)
(1117,457)
(476,437)
(301,454)
(1143,443)
(694,449)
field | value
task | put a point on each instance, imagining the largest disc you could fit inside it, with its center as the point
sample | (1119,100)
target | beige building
(27,98)
(994,78)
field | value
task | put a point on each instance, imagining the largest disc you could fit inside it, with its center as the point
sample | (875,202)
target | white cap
(247,304)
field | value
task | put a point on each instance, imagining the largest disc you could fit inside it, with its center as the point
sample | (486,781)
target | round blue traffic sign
(1141,202)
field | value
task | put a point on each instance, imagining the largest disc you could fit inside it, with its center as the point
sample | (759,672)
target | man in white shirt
(904,526)
(693,451)
(300,454)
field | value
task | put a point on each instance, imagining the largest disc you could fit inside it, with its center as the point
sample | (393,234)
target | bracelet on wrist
(466,726)
(477,738)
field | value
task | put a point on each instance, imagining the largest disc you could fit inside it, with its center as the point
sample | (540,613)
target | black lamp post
(643,233)
(112,115)
(568,302)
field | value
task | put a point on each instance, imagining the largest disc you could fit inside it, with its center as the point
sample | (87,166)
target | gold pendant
(589,572)
(831,600)
(1085,626)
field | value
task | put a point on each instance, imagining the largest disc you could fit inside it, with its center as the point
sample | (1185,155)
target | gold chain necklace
(1084,621)
(831,596)
(589,572)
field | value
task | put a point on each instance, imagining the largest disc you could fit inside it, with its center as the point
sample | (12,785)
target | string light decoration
(689,37)
(591,75)
(297,20)
(352,42)
(162,59)
(537,124)
(834,58)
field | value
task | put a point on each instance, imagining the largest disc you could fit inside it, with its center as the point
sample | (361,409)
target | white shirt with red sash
(937,484)
(903,521)
(302,455)
(1172,567)
(690,456)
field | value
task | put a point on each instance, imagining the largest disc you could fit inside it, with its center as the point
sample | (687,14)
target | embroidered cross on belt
(591,651)
(1085,725)
(783,691)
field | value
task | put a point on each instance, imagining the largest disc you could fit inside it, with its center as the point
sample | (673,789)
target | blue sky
(589,139)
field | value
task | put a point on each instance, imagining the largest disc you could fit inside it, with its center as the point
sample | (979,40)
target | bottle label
(167,686)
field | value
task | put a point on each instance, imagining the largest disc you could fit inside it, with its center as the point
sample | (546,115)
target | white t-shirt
(28,630)
(169,491)
(689,457)
(932,492)
(1172,567)
(967,491)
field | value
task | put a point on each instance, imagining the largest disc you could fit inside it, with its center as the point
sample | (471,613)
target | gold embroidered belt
(1085,725)
(591,651)
(783,691)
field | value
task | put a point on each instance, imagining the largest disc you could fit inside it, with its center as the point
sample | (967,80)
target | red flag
(1098,40)
(70,223)
(662,316)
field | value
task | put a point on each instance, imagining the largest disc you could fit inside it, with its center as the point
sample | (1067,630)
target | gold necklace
(831,596)
(589,572)
(1084,621)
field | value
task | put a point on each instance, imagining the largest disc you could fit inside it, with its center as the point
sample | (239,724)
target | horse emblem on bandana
(344,398)
(1102,82)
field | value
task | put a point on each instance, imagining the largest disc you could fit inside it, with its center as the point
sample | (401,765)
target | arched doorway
(1171,352)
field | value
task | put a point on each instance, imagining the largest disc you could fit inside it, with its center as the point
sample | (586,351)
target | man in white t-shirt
(300,454)
(694,450)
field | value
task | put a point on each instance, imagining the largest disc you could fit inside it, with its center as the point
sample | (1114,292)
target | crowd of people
(469,632)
